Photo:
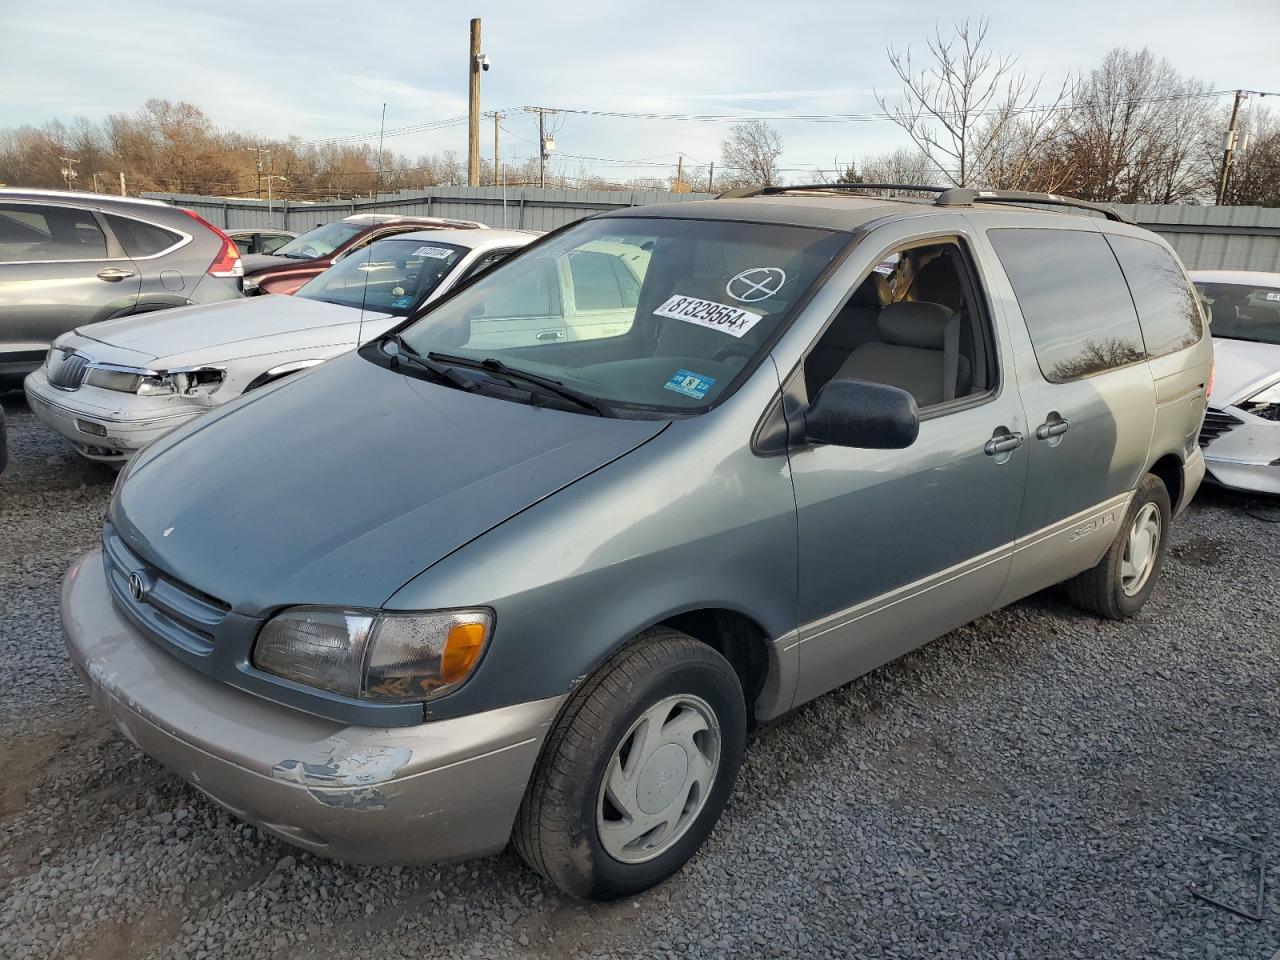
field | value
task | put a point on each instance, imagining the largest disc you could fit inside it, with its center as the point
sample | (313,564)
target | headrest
(872,292)
(913,323)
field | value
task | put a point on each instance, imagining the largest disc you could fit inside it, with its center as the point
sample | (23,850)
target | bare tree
(1135,132)
(959,105)
(898,166)
(749,155)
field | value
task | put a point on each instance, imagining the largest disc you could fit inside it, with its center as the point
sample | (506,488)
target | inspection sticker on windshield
(707,313)
(690,384)
(1273,296)
(435,253)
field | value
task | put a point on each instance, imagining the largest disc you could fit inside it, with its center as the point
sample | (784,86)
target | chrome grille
(170,611)
(1216,423)
(68,372)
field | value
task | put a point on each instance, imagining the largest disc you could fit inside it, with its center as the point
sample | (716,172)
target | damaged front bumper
(100,423)
(443,790)
(1242,451)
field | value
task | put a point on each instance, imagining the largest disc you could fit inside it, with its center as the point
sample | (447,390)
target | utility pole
(69,170)
(679,171)
(1228,148)
(711,178)
(258,147)
(123,193)
(475,62)
(496,117)
(381,131)
(542,148)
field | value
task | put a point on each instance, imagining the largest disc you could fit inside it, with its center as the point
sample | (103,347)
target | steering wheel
(732,350)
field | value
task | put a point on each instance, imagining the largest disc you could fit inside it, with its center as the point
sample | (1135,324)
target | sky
(324,69)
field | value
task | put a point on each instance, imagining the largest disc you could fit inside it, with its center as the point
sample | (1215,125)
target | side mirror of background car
(855,413)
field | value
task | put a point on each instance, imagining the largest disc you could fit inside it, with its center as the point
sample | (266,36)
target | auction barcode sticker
(707,313)
(435,253)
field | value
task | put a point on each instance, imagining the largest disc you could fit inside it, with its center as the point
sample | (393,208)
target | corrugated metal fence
(520,208)
(1207,238)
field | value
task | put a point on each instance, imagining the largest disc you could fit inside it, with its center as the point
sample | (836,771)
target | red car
(310,254)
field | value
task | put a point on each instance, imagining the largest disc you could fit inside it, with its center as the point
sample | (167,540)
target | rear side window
(31,232)
(141,239)
(1167,307)
(595,284)
(1074,300)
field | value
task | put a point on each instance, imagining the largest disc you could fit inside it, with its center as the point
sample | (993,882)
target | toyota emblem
(758,283)
(138,588)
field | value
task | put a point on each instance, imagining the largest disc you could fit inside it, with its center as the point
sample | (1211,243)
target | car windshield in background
(390,276)
(1241,311)
(660,314)
(319,242)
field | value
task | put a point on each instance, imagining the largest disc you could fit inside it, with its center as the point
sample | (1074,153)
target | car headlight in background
(190,382)
(251,284)
(1265,403)
(392,657)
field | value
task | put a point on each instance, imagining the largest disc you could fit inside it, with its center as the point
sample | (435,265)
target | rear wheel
(637,769)
(1123,579)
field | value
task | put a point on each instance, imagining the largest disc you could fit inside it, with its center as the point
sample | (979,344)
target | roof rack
(966,197)
(947,196)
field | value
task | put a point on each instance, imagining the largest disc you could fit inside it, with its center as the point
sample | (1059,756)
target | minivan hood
(1241,369)
(186,330)
(342,484)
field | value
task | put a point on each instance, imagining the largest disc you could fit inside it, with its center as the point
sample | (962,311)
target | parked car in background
(110,388)
(441,593)
(1241,434)
(297,261)
(256,240)
(72,259)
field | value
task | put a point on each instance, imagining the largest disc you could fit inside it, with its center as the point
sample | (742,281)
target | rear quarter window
(1167,305)
(1073,298)
(141,239)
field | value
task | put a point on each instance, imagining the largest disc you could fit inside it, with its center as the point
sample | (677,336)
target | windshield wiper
(407,355)
(555,387)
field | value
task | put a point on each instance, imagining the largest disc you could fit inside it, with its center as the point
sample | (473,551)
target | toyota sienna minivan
(473,584)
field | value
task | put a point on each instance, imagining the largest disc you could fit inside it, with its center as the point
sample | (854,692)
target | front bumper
(111,433)
(443,790)
(1246,456)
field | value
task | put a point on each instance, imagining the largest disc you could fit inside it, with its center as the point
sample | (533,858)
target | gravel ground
(1038,784)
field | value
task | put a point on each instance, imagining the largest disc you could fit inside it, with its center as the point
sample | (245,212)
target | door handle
(550,335)
(1002,442)
(1055,426)
(114,274)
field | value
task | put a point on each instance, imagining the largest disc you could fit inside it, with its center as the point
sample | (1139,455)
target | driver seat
(918,351)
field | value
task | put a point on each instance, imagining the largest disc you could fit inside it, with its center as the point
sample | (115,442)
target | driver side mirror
(857,413)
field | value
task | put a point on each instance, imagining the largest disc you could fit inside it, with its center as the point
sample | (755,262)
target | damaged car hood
(1241,369)
(339,486)
(231,328)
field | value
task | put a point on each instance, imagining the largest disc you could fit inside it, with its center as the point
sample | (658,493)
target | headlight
(251,284)
(157,386)
(395,657)
(112,379)
(1270,395)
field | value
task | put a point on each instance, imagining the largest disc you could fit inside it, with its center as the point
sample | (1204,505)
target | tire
(1108,588)
(568,828)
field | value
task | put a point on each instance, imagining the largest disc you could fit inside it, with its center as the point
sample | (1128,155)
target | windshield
(1241,311)
(321,241)
(390,276)
(653,313)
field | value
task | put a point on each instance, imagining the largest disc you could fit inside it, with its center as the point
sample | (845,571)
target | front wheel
(1125,576)
(636,770)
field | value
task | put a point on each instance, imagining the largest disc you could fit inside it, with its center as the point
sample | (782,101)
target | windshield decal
(690,384)
(435,253)
(756,284)
(707,313)
(1273,296)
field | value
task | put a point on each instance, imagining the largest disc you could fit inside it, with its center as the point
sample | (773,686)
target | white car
(1241,433)
(113,387)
